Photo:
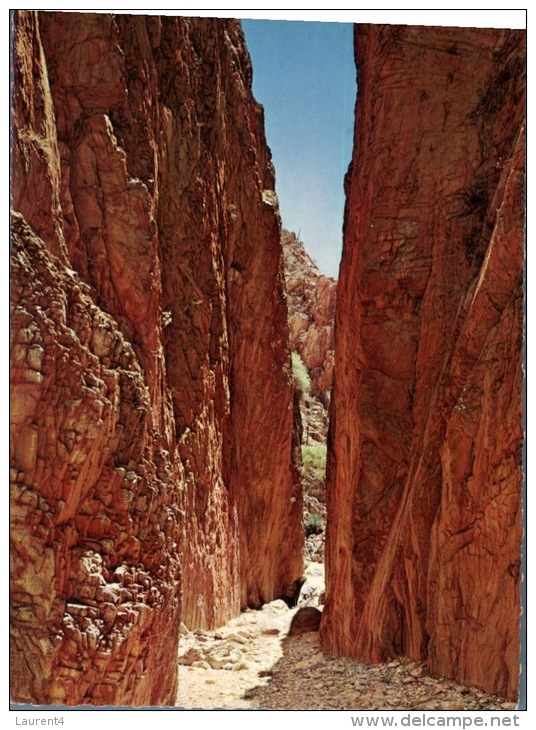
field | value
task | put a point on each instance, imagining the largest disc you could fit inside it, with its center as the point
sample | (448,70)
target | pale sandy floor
(251,663)
(246,648)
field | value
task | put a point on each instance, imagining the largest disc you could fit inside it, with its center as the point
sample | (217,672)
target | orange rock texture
(153,444)
(424,476)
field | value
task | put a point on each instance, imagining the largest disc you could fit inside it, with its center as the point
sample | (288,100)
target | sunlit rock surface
(424,477)
(153,457)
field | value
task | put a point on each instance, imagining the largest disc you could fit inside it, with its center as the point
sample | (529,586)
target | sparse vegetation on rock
(302,379)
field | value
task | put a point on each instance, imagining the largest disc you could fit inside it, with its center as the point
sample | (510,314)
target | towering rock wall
(152,449)
(424,477)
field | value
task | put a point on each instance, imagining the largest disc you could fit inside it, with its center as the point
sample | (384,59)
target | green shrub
(314,468)
(302,381)
(313,524)
(314,459)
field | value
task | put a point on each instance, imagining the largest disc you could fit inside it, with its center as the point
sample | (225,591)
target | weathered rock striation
(153,448)
(424,476)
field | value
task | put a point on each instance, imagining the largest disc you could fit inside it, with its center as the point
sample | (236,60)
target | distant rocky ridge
(311,298)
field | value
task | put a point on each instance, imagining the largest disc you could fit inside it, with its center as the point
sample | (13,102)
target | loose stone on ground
(253,662)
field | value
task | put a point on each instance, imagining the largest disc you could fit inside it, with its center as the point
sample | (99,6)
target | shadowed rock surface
(306,619)
(424,475)
(153,453)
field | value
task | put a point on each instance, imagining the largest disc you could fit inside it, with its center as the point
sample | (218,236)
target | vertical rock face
(424,477)
(153,472)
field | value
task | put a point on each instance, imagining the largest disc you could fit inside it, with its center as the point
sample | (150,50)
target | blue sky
(304,76)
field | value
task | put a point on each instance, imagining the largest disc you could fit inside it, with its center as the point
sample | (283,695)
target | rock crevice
(155,428)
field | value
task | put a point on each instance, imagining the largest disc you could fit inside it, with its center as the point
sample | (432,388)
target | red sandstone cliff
(153,456)
(424,477)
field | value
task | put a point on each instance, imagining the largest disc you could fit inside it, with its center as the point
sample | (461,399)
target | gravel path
(307,679)
(252,663)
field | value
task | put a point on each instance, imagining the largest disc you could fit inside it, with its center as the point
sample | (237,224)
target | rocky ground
(252,662)
(305,678)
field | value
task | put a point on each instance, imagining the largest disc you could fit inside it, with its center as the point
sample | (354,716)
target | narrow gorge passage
(175,355)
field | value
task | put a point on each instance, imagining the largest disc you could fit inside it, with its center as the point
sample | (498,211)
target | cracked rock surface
(151,396)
